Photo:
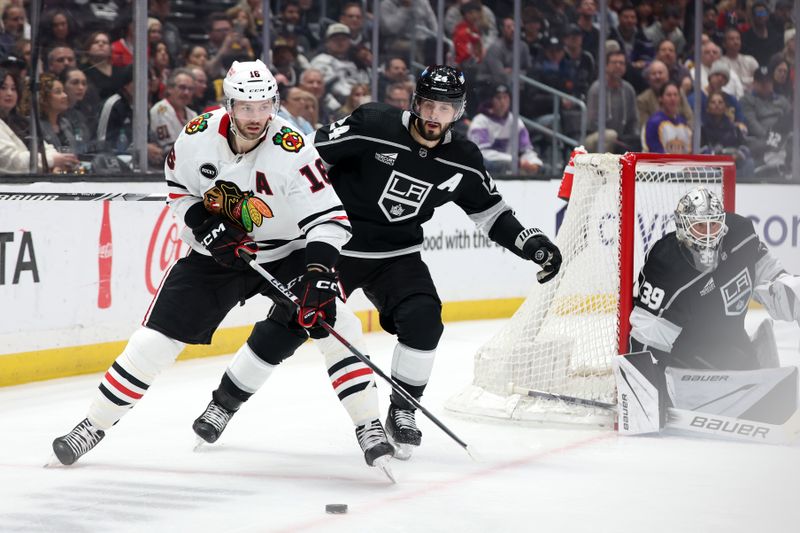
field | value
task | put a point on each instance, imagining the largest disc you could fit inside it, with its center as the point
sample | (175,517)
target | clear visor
(436,111)
(254,110)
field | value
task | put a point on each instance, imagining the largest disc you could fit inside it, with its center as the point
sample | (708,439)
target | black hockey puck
(336,508)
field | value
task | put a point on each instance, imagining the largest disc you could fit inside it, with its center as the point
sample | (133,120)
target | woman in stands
(56,128)
(667,131)
(79,112)
(100,73)
(719,135)
(14,155)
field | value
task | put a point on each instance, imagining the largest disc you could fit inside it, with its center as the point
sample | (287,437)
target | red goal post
(551,361)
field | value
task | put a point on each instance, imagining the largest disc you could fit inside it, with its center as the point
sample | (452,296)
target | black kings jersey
(390,185)
(693,319)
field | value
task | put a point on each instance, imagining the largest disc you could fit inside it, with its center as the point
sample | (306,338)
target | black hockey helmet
(441,83)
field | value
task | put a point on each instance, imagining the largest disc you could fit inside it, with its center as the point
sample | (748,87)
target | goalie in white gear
(243,181)
(695,287)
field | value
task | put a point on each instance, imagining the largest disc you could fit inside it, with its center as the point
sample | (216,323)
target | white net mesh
(564,336)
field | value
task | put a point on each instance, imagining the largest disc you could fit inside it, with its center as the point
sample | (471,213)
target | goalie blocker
(752,405)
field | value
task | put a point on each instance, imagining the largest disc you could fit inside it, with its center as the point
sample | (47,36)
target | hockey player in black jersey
(391,169)
(695,286)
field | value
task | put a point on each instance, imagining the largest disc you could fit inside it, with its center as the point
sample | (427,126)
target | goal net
(561,341)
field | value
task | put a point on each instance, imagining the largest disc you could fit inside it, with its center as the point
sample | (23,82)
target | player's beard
(419,125)
(246,135)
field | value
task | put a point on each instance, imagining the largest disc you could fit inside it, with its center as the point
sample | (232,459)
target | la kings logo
(403,196)
(736,293)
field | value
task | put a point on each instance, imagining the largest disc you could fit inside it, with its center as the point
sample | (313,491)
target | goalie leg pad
(147,353)
(352,381)
(639,401)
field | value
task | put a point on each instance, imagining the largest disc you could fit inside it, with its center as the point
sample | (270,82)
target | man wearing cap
(768,115)
(285,60)
(718,79)
(761,41)
(709,55)
(338,71)
(491,131)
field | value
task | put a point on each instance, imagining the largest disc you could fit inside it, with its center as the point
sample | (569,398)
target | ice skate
(377,449)
(72,446)
(402,428)
(210,425)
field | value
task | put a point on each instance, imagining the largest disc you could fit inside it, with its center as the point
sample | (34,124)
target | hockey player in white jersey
(243,181)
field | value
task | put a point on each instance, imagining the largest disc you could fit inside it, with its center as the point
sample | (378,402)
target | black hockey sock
(229,396)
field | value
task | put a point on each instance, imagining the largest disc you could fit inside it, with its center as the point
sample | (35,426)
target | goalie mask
(439,100)
(251,98)
(700,226)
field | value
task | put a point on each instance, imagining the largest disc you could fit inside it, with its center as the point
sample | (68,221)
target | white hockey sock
(248,371)
(147,353)
(412,366)
(352,381)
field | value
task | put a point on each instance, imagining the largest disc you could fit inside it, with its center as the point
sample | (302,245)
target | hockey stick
(81,196)
(562,397)
(361,357)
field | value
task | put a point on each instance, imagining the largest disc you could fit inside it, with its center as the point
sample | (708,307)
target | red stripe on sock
(351,375)
(122,388)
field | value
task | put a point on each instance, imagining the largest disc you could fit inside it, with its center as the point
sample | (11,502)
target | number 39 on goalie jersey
(278,192)
(695,319)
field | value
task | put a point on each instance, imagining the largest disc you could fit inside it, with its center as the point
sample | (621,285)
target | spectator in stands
(638,49)
(487,24)
(622,132)
(781,82)
(310,112)
(781,17)
(398,26)
(761,41)
(395,70)
(352,16)
(196,55)
(668,28)
(709,55)
(497,64)
(587,11)
(359,94)
(161,9)
(293,106)
(78,112)
(710,15)
(102,75)
(204,95)
(160,61)
(647,103)
(225,46)
(255,8)
(58,27)
(59,58)
(550,69)
(491,131)
(284,60)
(362,57)
(122,48)
(467,38)
(769,120)
(14,155)
(667,131)
(719,135)
(398,95)
(559,14)
(718,79)
(155,88)
(580,65)
(290,24)
(743,65)
(244,24)
(56,129)
(532,34)
(168,116)
(311,80)
(665,52)
(13,28)
(788,51)
(339,72)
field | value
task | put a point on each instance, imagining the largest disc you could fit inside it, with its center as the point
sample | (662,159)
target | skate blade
(382,463)
(52,462)
(403,451)
(199,444)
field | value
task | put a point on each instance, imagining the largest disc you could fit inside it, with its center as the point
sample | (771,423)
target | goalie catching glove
(225,241)
(319,290)
(535,246)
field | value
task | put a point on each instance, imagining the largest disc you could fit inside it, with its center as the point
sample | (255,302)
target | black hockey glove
(225,241)
(536,247)
(318,301)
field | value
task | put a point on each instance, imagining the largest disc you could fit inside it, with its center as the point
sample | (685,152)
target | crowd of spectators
(323,64)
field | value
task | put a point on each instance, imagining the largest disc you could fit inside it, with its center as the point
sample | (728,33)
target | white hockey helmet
(700,226)
(250,81)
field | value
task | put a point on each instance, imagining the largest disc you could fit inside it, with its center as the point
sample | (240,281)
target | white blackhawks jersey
(164,123)
(278,192)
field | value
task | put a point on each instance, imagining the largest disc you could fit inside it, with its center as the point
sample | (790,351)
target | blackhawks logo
(244,208)
(288,139)
(198,123)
